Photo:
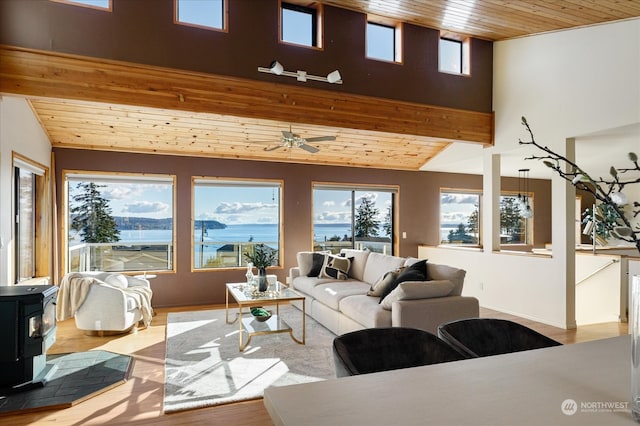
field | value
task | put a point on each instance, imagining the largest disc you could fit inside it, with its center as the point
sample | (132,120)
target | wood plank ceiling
(113,126)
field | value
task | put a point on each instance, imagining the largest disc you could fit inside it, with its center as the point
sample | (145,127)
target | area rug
(204,366)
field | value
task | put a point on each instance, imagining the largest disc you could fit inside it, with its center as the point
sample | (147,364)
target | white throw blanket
(71,294)
(74,288)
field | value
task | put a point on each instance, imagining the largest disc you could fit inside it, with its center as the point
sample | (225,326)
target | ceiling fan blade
(321,138)
(287,135)
(309,148)
(273,148)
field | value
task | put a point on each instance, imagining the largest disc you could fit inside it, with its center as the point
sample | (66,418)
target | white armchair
(105,302)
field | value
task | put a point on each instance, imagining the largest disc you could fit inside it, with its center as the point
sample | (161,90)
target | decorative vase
(262,279)
(249,273)
(634,330)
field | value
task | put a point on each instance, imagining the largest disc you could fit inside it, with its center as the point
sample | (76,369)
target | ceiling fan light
(276,68)
(334,77)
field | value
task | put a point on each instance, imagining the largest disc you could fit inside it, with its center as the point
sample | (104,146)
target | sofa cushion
(383,283)
(446,272)
(415,272)
(310,263)
(379,264)
(365,310)
(410,290)
(331,293)
(336,267)
(358,263)
(307,284)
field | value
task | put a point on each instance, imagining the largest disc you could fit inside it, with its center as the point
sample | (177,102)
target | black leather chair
(478,337)
(380,349)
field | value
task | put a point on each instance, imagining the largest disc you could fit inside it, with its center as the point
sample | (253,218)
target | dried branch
(607,191)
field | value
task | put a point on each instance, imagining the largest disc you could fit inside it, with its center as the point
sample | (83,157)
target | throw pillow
(381,285)
(336,267)
(410,290)
(415,272)
(310,263)
(316,264)
(117,280)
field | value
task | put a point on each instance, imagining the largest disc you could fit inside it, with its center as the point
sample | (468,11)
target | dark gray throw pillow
(316,267)
(415,272)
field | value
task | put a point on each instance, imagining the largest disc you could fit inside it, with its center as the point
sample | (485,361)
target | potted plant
(263,256)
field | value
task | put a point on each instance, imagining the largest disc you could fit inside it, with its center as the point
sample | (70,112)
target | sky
(235,205)
(456,208)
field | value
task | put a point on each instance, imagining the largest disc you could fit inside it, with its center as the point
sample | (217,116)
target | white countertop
(525,388)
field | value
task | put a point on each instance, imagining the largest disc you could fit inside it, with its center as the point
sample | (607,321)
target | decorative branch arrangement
(608,191)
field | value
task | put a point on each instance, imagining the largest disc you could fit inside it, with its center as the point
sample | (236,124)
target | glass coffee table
(247,296)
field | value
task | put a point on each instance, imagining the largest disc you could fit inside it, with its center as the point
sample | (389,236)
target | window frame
(397,28)
(461,191)
(88,6)
(316,12)
(125,177)
(225,18)
(465,56)
(394,190)
(529,235)
(234,181)
(40,218)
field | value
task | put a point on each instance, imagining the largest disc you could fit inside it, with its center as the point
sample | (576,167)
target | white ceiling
(595,153)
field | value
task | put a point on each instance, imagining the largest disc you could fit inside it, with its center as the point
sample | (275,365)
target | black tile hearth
(76,377)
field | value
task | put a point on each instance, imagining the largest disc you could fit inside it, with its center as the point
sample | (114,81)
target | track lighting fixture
(276,68)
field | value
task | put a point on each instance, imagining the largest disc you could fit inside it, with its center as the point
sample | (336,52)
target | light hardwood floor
(139,400)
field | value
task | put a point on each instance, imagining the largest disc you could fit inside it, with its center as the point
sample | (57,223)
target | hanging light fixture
(523,193)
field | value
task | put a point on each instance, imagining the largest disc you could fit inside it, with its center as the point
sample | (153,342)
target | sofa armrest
(428,314)
(293,273)
(137,282)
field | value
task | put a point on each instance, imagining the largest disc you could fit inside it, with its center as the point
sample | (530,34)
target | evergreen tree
(92,215)
(386,226)
(366,223)
(473,223)
(510,218)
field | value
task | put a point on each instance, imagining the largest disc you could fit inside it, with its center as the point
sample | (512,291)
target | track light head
(276,68)
(334,76)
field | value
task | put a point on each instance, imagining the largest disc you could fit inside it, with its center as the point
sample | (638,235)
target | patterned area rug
(204,366)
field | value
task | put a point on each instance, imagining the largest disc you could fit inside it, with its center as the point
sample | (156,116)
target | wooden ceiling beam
(42,74)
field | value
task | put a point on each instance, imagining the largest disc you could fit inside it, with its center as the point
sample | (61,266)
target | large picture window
(119,222)
(461,214)
(460,218)
(230,217)
(353,217)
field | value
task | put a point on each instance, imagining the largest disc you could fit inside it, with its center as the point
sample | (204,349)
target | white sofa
(104,302)
(344,306)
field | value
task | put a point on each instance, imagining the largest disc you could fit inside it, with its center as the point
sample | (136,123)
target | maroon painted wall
(142,31)
(418,208)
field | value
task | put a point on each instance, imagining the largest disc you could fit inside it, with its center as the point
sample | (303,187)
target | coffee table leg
(240,346)
(304,318)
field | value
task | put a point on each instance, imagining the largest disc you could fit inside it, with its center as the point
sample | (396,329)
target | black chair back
(478,337)
(380,349)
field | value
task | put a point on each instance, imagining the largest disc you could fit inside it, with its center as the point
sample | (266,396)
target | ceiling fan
(291,140)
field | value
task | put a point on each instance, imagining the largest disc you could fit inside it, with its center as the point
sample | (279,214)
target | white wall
(20,132)
(568,84)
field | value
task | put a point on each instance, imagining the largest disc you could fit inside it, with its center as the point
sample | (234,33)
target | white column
(491,202)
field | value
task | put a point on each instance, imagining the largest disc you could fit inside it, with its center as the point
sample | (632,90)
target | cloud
(329,203)
(458,199)
(333,217)
(146,207)
(454,217)
(226,208)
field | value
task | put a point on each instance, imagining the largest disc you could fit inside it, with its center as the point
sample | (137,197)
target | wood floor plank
(139,400)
